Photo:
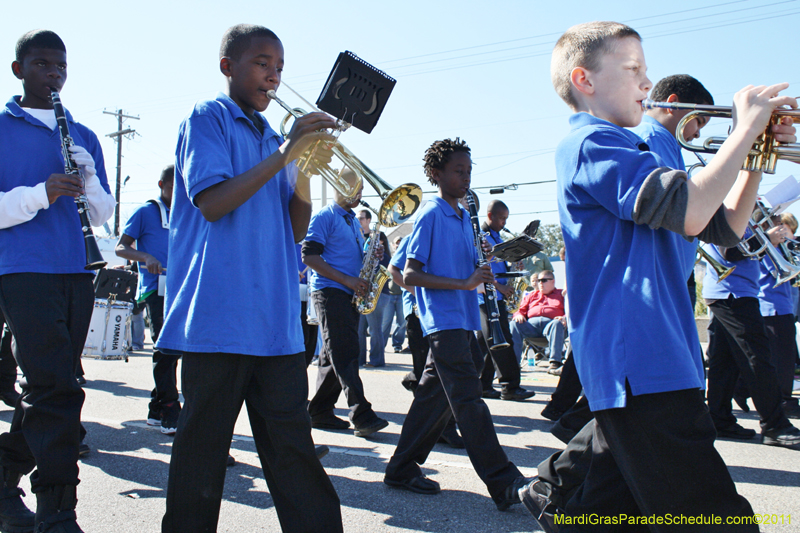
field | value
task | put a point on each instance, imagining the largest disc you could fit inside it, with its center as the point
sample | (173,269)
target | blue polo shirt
(773,300)
(741,283)
(444,244)
(232,284)
(630,314)
(338,231)
(662,143)
(145,227)
(498,267)
(52,241)
(399,261)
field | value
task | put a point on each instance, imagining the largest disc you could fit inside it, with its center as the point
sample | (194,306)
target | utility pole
(117,136)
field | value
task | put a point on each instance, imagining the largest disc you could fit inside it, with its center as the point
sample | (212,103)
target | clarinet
(497,340)
(94,259)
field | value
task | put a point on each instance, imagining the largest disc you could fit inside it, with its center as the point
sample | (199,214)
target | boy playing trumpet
(653,451)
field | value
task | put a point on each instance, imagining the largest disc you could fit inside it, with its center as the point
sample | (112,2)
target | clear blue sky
(478,70)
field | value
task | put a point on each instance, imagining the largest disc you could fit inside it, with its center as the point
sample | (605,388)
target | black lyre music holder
(356,92)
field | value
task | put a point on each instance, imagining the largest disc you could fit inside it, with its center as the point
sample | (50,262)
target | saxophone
(372,272)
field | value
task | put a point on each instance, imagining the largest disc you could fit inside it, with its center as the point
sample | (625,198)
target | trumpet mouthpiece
(271,94)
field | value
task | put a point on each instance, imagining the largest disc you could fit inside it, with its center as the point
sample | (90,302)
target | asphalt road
(125,476)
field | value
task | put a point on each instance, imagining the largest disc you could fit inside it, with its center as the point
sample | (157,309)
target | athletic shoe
(169,417)
(154,417)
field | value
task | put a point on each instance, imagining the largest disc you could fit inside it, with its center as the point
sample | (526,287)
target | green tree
(550,236)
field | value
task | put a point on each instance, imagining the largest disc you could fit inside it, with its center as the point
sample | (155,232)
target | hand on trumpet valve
(63,185)
(753,106)
(482,274)
(785,132)
(309,134)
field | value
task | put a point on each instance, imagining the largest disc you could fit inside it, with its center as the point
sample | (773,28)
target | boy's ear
(580,78)
(16,68)
(225,66)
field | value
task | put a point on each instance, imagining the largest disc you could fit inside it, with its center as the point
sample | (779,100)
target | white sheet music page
(783,195)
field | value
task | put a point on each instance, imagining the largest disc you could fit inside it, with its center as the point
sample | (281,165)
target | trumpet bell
(398,205)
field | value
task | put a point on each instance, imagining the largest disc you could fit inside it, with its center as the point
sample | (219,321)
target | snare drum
(110,331)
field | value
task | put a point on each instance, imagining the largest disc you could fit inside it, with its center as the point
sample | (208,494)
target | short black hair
(439,153)
(495,206)
(38,39)
(237,39)
(686,88)
(366,214)
(168,174)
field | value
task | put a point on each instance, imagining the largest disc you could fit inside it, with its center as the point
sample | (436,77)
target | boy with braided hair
(440,265)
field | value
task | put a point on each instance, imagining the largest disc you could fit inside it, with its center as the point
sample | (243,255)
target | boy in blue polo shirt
(148,227)
(238,208)
(46,294)
(441,259)
(333,248)
(631,325)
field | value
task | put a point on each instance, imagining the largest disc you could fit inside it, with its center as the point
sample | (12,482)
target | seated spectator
(541,314)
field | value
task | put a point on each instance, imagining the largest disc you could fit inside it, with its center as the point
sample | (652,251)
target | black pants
(338,362)
(656,457)
(309,333)
(8,366)
(451,380)
(564,471)
(165,366)
(49,316)
(274,391)
(569,385)
(781,333)
(503,362)
(418,344)
(737,345)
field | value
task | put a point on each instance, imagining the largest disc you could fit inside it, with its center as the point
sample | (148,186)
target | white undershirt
(21,204)
(45,116)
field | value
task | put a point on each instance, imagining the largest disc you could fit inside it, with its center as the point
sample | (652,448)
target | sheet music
(783,195)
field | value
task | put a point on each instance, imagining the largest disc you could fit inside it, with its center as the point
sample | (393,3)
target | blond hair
(788,219)
(583,45)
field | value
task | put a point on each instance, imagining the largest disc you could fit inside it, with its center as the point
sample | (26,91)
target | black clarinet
(94,259)
(497,340)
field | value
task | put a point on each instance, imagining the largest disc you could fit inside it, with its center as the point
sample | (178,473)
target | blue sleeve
(421,239)
(612,171)
(204,154)
(134,227)
(399,257)
(319,228)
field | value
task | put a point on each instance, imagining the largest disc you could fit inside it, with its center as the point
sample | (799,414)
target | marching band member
(46,294)
(441,259)
(333,248)
(239,207)
(502,361)
(642,373)
(148,227)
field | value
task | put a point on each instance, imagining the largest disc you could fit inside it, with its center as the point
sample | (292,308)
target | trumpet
(398,205)
(718,267)
(764,154)
(784,270)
